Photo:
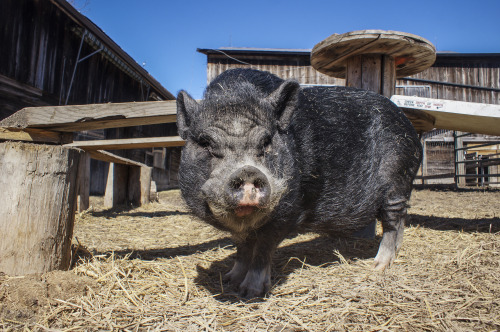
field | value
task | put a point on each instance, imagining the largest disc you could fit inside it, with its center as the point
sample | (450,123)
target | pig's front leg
(242,263)
(258,277)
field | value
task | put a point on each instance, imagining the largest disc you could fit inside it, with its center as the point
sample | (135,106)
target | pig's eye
(204,142)
(208,144)
(265,145)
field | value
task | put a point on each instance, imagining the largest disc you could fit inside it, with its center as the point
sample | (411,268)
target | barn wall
(40,46)
(298,68)
(39,50)
(473,71)
(468,71)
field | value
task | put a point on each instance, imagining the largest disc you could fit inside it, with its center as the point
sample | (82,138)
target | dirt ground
(157,268)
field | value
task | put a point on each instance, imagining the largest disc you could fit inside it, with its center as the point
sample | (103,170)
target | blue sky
(164,35)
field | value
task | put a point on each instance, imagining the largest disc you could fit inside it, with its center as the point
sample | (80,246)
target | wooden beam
(128,143)
(93,116)
(113,158)
(476,118)
(34,135)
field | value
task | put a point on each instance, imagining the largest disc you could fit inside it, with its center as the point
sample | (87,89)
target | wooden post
(116,187)
(460,181)
(423,168)
(127,184)
(139,184)
(37,208)
(374,72)
(84,182)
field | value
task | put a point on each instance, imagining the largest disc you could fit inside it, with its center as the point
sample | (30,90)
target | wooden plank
(35,135)
(129,143)
(93,116)
(116,186)
(13,87)
(476,118)
(113,158)
(422,121)
(460,158)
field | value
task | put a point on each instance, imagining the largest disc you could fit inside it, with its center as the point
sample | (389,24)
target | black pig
(265,157)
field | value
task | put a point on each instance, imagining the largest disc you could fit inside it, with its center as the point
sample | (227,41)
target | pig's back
(352,144)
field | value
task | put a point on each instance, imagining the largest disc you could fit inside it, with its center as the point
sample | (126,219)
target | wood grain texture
(84,183)
(388,76)
(35,135)
(371,69)
(422,121)
(129,143)
(127,185)
(93,116)
(37,208)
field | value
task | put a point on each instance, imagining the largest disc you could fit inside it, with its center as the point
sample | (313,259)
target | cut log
(37,209)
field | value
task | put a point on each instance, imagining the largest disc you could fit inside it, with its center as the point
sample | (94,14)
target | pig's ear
(186,108)
(285,100)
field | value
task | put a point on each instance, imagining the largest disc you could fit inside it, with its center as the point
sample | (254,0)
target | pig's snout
(248,189)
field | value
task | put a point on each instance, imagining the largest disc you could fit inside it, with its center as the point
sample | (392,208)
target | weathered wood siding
(480,74)
(297,67)
(38,52)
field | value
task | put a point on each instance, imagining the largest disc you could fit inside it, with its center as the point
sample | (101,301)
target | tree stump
(37,209)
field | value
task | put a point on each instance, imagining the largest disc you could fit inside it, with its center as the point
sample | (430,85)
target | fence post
(424,161)
(459,159)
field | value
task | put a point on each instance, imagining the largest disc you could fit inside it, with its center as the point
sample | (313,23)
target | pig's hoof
(256,284)
(252,291)
(380,266)
(383,261)
(385,255)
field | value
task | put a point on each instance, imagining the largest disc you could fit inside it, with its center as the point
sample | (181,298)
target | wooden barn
(453,76)
(53,55)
